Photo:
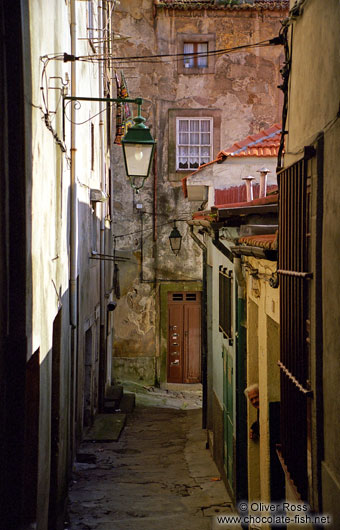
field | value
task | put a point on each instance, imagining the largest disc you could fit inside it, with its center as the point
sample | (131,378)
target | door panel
(175,341)
(184,337)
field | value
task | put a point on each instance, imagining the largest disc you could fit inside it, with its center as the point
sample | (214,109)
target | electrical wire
(267,42)
(155,58)
(150,229)
(158,59)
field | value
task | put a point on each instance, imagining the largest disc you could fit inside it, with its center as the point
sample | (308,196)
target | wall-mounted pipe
(102,171)
(73,300)
(155,184)
(101,160)
(204,327)
(73,184)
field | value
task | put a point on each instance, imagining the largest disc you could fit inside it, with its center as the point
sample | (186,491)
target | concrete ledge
(138,369)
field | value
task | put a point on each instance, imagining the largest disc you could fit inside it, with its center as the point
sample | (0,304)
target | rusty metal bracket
(75,100)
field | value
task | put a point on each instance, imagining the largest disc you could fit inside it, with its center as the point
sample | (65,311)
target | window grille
(194,142)
(191,297)
(294,329)
(177,297)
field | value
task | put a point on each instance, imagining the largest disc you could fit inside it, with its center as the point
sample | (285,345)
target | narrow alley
(159,475)
(170,247)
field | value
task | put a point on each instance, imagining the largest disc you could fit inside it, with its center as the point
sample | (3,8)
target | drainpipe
(73,244)
(204,328)
(73,201)
(249,184)
(241,383)
(102,362)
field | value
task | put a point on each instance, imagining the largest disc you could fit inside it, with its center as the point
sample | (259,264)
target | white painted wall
(50,250)
(230,173)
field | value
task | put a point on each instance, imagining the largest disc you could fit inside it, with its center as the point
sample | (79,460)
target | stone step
(116,400)
(128,402)
(114,393)
(111,406)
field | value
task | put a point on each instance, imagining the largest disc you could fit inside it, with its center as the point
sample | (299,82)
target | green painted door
(228,415)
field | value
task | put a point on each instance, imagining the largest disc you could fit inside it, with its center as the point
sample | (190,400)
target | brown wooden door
(184,337)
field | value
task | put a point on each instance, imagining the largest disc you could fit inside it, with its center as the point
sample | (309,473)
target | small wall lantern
(175,239)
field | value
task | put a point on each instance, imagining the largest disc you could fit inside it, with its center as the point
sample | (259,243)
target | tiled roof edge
(252,144)
(274,6)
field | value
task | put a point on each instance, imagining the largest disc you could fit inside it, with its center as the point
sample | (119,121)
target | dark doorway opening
(55,422)
(32,392)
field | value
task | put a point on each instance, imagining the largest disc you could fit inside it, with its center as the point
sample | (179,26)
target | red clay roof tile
(268,241)
(265,143)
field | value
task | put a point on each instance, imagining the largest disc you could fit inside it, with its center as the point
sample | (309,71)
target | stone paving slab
(158,476)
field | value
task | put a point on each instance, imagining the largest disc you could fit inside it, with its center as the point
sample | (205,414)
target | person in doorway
(252,393)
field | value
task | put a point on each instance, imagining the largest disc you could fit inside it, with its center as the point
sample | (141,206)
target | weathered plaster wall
(263,354)
(50,234)
(243,95)
(313,107)
(49,244)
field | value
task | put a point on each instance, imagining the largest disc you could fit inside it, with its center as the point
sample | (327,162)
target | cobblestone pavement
(159,475)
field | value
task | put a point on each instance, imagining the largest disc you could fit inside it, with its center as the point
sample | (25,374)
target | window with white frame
(194,145)
(188,144)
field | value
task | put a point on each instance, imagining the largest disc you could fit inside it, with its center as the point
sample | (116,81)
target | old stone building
(309,194)
(182,57)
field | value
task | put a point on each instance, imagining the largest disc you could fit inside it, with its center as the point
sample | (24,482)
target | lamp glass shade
(138,158)
(175,239)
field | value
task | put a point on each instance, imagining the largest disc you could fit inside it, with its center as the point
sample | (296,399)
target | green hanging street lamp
(138,148)
(138,144)
(175,239)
